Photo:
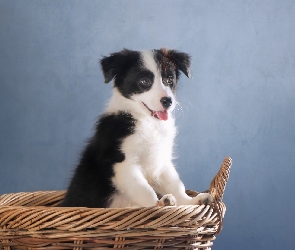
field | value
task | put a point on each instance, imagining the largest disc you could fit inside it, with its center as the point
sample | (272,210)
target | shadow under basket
(31,221)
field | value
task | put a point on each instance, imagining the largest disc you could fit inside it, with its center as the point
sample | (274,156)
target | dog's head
(149,78)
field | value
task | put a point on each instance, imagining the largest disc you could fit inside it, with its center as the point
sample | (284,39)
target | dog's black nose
(166,102)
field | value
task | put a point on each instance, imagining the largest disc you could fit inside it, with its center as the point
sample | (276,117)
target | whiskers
(180,110)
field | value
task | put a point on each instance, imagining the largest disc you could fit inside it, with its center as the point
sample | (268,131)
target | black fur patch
(130,84)
(91,185)
(126,69)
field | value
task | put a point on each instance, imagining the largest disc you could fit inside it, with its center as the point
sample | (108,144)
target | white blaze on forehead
(149,62)
(152,98)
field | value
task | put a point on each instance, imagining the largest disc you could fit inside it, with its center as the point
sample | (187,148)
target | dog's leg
(171,184)
(130,181)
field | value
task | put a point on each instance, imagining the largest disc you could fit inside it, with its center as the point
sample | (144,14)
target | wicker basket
(30,221)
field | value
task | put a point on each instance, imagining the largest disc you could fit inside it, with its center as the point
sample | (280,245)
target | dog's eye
(145,81)
(169,80)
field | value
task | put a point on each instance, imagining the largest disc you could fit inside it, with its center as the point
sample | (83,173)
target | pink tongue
(162,115)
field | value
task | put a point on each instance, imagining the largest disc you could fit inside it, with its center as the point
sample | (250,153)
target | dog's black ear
(109,66)
(181,60)
(115,63)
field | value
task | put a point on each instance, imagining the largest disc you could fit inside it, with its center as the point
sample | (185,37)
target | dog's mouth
(161,115)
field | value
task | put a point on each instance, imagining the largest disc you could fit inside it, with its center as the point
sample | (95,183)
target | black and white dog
(129,159)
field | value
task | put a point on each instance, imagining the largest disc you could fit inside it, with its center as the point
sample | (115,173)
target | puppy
(128,161)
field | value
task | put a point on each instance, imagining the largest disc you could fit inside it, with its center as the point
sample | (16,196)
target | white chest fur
(150,147)
(147,153)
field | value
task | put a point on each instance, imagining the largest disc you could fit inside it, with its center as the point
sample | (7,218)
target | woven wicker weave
(30,221)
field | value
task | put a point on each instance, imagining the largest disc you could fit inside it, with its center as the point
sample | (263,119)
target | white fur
(147,168)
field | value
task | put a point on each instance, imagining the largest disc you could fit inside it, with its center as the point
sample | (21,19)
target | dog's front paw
(167,200)
(203,199)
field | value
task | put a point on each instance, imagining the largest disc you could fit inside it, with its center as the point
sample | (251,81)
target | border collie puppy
(128,161)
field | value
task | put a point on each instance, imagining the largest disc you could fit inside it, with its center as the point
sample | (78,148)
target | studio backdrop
(240,101)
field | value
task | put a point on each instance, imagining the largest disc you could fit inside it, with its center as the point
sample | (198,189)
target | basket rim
(185,217)
(37,211)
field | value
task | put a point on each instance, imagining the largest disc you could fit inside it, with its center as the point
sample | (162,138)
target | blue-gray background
(239,103)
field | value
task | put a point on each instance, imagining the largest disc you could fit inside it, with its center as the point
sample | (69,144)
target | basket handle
(218,183)
(216,189)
